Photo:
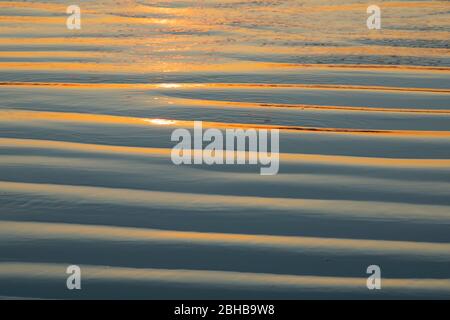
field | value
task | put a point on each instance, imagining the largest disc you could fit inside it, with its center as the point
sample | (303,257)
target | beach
(86,177)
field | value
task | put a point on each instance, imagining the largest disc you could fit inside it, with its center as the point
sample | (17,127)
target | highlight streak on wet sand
(207,202)
(220,278)
(79,117)
(150,279)
(440,251)
(86,175)
(316,158)
(218,85)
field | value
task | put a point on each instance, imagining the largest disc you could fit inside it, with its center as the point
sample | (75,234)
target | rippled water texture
(86,176)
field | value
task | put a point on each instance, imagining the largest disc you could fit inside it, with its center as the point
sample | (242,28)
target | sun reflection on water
(160,122)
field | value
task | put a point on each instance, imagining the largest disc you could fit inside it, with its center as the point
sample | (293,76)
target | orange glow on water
(161,122)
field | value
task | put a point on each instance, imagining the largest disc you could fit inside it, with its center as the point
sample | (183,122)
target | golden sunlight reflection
(169,85)
(225,149)
(161,122)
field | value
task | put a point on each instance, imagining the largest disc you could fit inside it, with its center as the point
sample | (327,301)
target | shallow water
(86,176)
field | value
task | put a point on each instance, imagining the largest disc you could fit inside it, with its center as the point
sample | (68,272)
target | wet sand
(86,176)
